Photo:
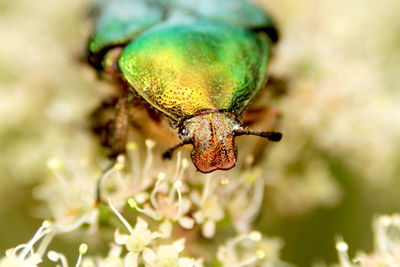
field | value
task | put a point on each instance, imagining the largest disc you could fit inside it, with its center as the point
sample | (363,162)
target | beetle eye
(183,132)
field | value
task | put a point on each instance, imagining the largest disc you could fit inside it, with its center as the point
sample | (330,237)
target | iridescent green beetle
(199,64)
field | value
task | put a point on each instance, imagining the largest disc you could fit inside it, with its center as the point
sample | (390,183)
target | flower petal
(166,229)
(131,259)
(208,229)
(186,222)
(199,217)
(119,238)
(149,256)
(141,223)
(179,245)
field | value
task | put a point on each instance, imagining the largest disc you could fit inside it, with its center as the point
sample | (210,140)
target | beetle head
(213,139)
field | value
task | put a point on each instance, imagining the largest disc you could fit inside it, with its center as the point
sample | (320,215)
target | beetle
(199,64)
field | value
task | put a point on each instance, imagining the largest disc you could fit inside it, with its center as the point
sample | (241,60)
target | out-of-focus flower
(387,245)
(243,197)
(59,257)
(249,249)
(165,255)
(71,195)
(210,208)
(25,255)
(113,258)
(170,197)
(168,256)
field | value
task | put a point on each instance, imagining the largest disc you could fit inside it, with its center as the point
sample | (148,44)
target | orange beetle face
(213,141)
(213,138)
(214,154)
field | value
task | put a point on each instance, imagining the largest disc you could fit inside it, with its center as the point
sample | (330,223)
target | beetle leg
(113,129)
(119,128)
(111,123)
(110,62)
(101,120)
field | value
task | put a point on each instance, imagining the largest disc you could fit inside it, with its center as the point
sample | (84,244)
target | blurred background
(337,167)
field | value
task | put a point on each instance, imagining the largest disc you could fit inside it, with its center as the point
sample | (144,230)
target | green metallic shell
(185,68)
(238,12)
(119,21)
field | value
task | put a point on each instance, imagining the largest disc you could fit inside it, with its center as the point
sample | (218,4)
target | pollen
(55,164)
(185,163)
(132,203)
(150,143)
(255,236)
(224,181)
(178,184)
(161,176)
(342,246)
(83,248)
(131,146)
(120,164)
(260,254)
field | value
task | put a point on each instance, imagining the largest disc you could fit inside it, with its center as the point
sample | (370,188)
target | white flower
(248,249)
(165,255)
(12,260)
(24,255)
(167,204)
(188,262)
(59,257)
(211,209)
(113,259)
(387,245)
(138,238)
(70,193)
(113,262)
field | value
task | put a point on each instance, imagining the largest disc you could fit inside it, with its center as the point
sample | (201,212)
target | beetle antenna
(168,154)
(271,136)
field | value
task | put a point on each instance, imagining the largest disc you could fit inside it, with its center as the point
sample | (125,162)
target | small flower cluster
(178,203)
(26,255)
(174,195)
(143,246)
(387,245)
(250,248)
(141,242)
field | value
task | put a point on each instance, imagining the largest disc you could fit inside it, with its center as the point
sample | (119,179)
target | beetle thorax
(213,141)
